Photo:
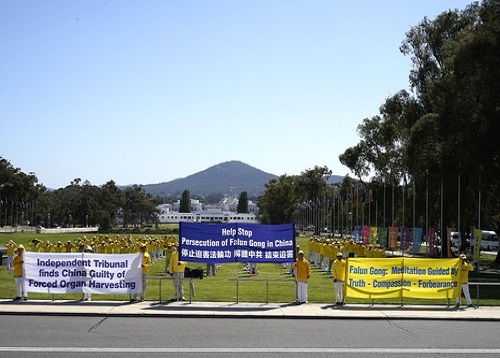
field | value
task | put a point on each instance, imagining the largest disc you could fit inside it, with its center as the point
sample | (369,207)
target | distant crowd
(322,252)
(103,244)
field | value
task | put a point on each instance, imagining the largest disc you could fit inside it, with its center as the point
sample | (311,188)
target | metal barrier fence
(478,284)
(266,280)
(161,278)
(248,279)
(238,280)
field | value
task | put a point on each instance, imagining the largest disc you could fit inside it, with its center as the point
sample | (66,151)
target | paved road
(49,336)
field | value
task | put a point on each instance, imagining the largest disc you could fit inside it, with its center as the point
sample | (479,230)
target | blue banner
(236,242)
(405,238)
(417,239)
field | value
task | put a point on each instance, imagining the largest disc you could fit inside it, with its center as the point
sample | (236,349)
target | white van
(489,241)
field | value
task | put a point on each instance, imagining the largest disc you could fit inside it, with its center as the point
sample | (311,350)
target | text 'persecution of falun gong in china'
(220,243)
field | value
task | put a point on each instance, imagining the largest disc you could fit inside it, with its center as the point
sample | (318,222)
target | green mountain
(229,178)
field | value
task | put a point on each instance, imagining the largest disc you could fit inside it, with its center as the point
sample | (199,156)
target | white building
(195,205)
(224,212)
(207,216)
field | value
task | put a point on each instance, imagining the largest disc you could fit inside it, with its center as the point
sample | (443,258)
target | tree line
(23,201)
(434,146)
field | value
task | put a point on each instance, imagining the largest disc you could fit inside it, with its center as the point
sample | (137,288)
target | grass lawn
(272,284)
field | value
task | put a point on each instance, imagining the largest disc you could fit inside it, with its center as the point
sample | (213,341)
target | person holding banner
(87,296)
(302,271)
(465,268)
(339,266)
(18,267)
(176,269)
(146,264)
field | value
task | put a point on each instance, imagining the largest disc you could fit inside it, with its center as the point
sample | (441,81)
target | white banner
(82,272)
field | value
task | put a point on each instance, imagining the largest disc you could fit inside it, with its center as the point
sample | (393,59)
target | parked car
(456,241)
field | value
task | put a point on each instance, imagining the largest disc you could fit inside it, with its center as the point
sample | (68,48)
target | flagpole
(404,194)
(384,205)
(458,224)
(479,205)
(370,195)
(442,227)
(427,212)
(392,199)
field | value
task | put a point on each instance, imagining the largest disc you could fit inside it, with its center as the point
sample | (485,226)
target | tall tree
(185,203)
(243,203)
(444,134)
(277,205)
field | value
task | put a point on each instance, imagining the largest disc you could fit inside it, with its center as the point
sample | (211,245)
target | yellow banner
(373,278)
(432,278)
(478,237)
(402,277)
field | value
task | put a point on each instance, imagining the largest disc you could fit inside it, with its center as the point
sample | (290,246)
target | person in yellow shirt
(369,251)
(310,245)
(146,264)
(331,257)
(465,267)
(18,266)
(339,266)
(47,247)
(11,247)
(302,271)
(59,247)
(68,246)
(361,250)
(176,269)
(168,254)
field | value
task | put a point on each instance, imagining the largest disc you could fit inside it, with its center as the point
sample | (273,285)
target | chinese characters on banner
(234,242)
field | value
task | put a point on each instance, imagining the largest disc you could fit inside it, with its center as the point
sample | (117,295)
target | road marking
(478,351)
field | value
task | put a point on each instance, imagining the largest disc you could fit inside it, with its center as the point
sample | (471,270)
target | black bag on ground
(193,273)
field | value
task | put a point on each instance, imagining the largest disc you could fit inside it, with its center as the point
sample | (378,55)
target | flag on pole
(405,238)
(432,241)
(417,239)
(478,237)
(393,237)
(382,236)
(366,234)
(373,235)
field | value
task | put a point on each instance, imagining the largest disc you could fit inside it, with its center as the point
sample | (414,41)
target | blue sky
(143,92)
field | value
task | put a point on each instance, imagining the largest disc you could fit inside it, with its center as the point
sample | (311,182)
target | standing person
(176,269)
(168,255)
(464,274)
(302,271)
(87,296)
(339,266)
(11,248)
(69,246)
(146,264)
(18,266)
